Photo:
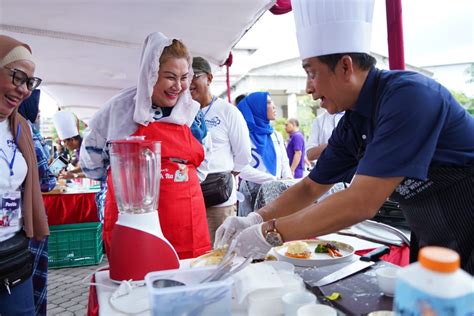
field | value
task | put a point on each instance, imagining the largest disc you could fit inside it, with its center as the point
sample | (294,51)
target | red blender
(138,245)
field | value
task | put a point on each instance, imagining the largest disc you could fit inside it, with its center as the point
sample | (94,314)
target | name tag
(10,211)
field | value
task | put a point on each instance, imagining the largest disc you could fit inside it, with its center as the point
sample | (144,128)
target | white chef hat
(65,124)
(326,27)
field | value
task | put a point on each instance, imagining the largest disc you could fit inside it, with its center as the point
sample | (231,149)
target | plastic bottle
(435,285)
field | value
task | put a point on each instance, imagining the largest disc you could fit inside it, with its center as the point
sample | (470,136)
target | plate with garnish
(314,252)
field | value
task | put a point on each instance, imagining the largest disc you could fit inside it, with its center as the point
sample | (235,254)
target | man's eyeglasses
(20,77)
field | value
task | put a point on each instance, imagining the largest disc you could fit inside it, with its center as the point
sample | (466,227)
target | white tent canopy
(86,51)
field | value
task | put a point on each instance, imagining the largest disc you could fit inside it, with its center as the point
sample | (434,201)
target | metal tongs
(224,269)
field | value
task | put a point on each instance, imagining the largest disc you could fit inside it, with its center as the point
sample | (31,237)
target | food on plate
(213,257)
(267,258)
(329,248)
(270,258)
(298,249)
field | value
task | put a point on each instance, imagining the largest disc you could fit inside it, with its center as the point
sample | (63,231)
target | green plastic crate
(75,245)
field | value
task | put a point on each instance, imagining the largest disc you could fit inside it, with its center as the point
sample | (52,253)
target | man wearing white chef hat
(403,136)
(65,123)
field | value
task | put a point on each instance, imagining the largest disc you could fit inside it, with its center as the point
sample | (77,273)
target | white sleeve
(203,169)
(94,158)
(313,137)
(239,138)
(254,175)
(285,162)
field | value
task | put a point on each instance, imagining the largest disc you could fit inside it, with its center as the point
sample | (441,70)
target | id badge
(10,211)
(181,174)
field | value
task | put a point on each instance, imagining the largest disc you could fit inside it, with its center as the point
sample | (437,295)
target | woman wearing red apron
(160,108)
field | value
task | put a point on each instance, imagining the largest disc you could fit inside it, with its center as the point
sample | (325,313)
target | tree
(463,99)
(470,72)
(306,113)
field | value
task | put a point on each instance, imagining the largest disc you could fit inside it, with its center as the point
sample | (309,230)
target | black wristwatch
(272,236)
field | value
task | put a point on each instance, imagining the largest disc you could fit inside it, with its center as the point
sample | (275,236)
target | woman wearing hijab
(269,159)
(160,107)
(29,109)
(24,217)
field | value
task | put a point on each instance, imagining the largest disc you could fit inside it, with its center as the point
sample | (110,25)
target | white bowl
(386,278)
(316,309)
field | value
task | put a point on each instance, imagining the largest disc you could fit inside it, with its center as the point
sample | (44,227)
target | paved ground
(67,295)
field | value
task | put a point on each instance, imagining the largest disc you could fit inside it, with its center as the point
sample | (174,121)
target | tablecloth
(398,256)
(70,208)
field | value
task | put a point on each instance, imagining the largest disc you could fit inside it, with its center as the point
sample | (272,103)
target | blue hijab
(254,110)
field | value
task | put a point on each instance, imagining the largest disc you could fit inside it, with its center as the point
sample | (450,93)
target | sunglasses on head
(20,77)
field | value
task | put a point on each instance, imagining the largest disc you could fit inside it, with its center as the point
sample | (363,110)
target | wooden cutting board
(359,292)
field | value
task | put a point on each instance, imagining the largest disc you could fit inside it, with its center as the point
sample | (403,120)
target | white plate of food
(314,252)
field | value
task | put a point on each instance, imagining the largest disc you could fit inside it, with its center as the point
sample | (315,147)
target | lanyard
(4,155)
(210,104)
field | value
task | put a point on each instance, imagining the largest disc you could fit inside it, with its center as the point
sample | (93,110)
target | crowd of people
(386,134)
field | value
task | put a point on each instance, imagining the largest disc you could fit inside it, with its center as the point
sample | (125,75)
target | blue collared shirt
(418,124)
(47,179)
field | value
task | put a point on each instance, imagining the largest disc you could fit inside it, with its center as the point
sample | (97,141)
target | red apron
(181,205)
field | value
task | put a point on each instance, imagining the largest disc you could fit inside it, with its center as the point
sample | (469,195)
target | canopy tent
(87,51)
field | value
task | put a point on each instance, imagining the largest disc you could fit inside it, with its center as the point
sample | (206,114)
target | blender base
(134,253)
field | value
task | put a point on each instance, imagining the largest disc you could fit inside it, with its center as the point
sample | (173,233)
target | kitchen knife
(364,262)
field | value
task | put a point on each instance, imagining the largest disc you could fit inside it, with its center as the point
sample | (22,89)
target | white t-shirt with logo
(230,140)
(321,131)
(257,172)
(10,222)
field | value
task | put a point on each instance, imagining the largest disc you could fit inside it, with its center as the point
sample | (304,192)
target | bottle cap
(439,259)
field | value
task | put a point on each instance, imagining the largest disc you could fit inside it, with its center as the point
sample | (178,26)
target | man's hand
(234,225)
(67,175)
(251,243)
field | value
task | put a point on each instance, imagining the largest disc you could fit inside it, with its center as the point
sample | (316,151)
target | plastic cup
(386,278)
(294,300)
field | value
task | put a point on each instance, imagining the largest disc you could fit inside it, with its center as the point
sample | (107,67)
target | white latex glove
(251,243)
(234,225)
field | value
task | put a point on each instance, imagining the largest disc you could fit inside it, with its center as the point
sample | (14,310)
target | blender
(138,245)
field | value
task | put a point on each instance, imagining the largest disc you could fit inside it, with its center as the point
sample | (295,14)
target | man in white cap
(230,141)
(66,125)
(403,136)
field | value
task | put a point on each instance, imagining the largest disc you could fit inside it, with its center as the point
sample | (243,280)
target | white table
(105,287)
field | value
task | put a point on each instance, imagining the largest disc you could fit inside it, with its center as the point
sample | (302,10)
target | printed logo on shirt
(410,187)
(213,122)
(11,144)
(255,158)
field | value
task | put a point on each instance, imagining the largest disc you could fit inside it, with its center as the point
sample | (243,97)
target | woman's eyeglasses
(199,74)
(20,77)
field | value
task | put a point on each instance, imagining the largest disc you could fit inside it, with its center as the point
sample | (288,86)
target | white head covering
(65,124)
(326,27)
(119,117)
